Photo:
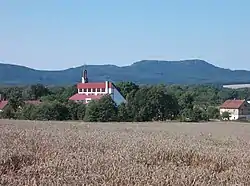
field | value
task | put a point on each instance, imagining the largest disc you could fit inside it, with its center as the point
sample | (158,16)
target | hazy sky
(57,34)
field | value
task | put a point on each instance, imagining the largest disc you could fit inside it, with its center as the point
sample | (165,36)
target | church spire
(85,75)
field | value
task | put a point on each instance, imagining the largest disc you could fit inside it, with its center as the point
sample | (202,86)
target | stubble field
(75,153)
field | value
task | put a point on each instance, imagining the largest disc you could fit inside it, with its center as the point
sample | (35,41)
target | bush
(102,110)
(28,112)
(194,115)
(225,115)
(123,113)
(213,112)
(8,113)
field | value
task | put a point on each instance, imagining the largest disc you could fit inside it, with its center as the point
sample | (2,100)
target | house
(238,109)
(88,91)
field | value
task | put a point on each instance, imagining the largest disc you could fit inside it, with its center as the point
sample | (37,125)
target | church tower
(85,75)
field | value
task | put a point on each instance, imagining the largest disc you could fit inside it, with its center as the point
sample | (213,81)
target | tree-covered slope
(142,72)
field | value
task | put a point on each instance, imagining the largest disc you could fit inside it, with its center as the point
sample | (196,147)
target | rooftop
(232,104)
(3,104)
(80,97)
(33,102)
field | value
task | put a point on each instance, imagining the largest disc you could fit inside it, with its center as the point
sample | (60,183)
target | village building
(88,91)
(237,109)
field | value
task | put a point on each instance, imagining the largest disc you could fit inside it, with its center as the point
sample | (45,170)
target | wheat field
(77,153)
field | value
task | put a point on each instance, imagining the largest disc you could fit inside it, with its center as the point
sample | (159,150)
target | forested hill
(142,72)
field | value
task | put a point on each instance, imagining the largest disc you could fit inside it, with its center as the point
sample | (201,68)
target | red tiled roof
(33,102)
(232,104)
(3,104)
(79,97)
(93,85)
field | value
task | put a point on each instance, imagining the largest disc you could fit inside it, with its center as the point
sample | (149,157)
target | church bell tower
(85,76)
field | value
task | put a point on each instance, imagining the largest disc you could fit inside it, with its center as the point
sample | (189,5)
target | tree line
(143,103)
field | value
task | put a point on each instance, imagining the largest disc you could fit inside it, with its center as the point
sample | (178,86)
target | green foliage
(81,109)
(123,113)
(38,91)
(152,103)
(194,115)
(28,112)
(76,110)
(15,99)
(60,94)
(225,115)
(144,103)
(199,114)
(213,112)
(186,101)
(126,87)
(102,110)
(8,113)
(51,111)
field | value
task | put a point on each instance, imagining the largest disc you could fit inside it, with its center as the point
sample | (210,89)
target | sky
(60,34)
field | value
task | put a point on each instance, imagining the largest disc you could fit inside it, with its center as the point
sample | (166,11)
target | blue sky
(57,34)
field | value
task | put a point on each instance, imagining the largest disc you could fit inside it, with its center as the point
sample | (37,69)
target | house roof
(33,102)
(80,97)
(3,104)
(93,85)
(232,104)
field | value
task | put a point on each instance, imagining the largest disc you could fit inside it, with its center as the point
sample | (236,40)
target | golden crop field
(77,153)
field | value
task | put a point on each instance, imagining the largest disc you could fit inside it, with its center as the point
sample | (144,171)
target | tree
(8,113)
(186,101)
(60,94)
(152,103)
(138,106)
(81,111)
(213,112)
(126,87)
(72,108)
(38,91)
(164,105)
(27,112)
(225,115)
(76,110)
(52,111)
(16,100)
(195,114)
(199,114)
(67,92)
(226,94)
(186,114)
(102,110)
(123,113)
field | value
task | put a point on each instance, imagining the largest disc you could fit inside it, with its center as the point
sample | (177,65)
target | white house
(238,109)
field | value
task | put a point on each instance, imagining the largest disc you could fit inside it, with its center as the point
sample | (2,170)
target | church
(88,91)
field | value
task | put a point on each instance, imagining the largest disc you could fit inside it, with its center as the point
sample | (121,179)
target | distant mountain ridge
(141,72)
